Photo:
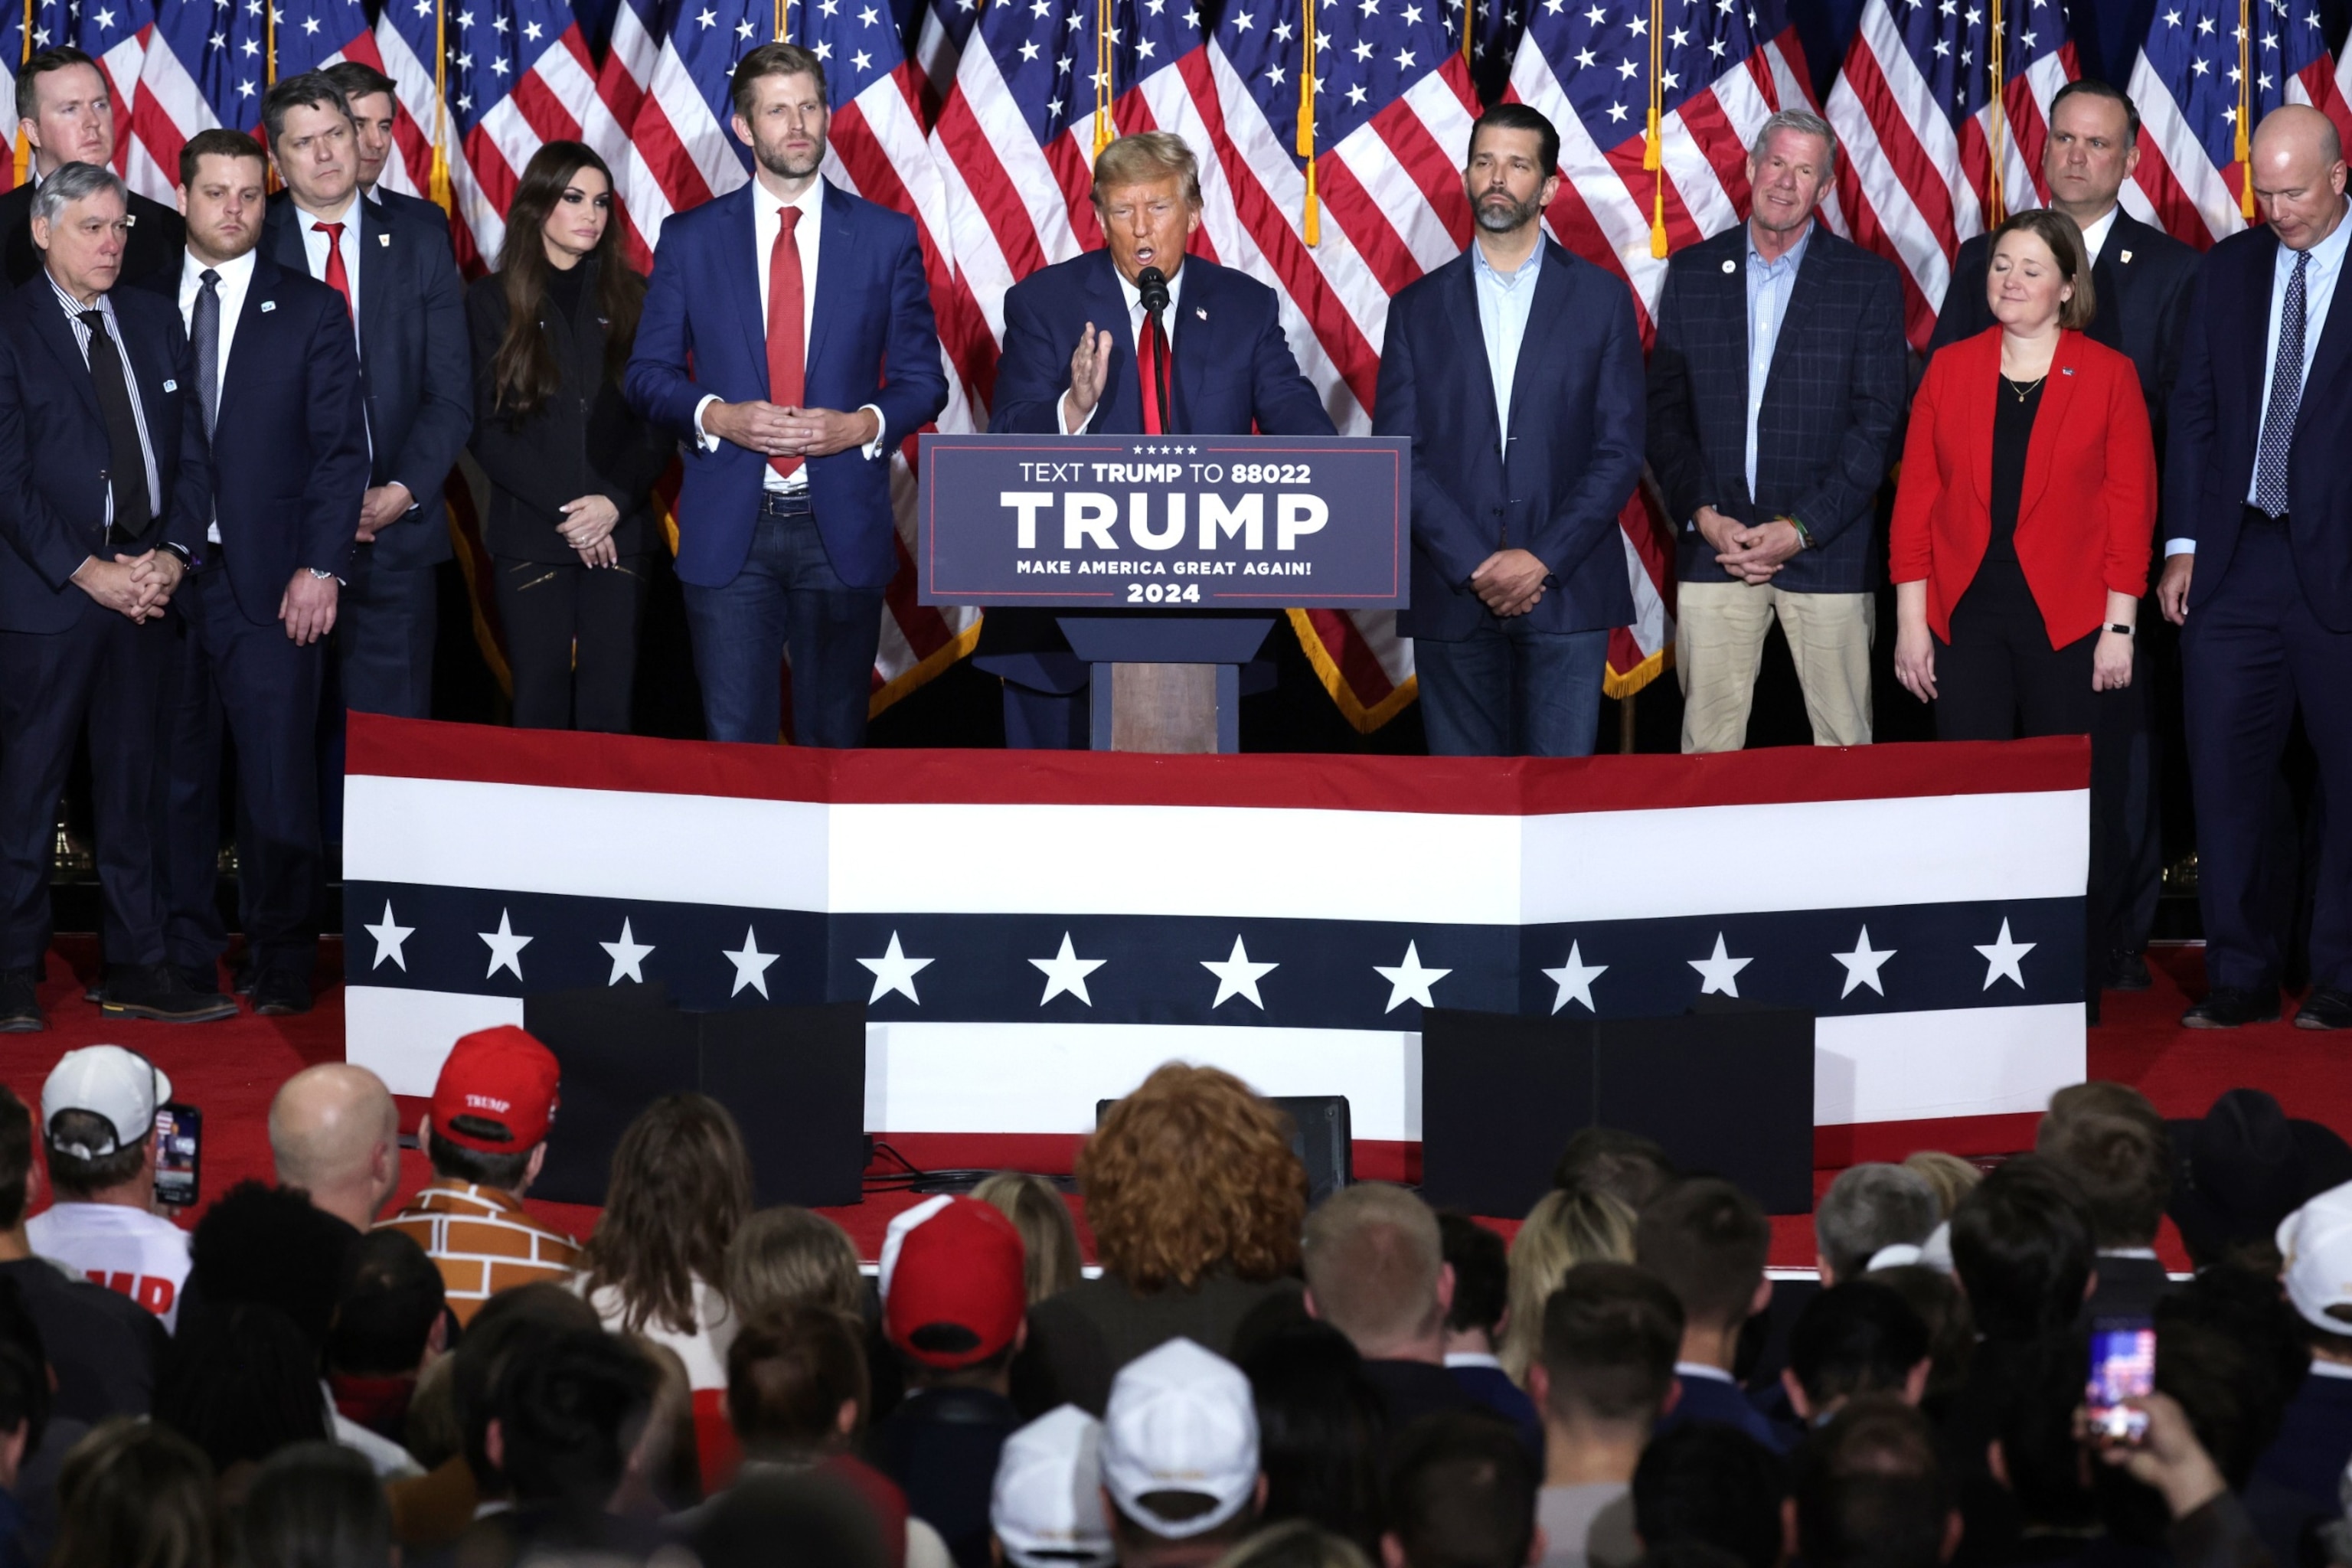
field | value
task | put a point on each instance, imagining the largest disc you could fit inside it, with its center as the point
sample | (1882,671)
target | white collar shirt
(314,251)
(235,282)
(1133,297)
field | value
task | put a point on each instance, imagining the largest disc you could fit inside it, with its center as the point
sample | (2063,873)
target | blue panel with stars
(2192,47)
(492,46)
(1368,53)
(1950,42)
(1600,54)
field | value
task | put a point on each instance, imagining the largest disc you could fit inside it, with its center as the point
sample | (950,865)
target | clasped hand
(1509,581)
(587,526)
(138,586)
(779,431)
(1750,555)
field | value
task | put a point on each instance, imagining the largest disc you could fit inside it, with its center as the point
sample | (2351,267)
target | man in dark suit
(369,92)
(771,311)
(67,115)
(2141,277)
(104,488)
(416,373)
(279,378)
(2257,562)
(1775,388)
(1516,370)
(1078,359)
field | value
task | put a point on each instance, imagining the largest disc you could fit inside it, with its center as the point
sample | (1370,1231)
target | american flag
(2191,84)
(114,33)
(210,62)
(1721,68)
(1914,108)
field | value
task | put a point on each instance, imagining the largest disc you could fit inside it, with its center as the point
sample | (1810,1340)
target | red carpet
(231,1070)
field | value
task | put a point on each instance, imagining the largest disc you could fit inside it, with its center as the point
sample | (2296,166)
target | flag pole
(1105,130)
(24,144)
(1995,207)
(1313,227)
(2244,138)
(1653,147)
(436,185)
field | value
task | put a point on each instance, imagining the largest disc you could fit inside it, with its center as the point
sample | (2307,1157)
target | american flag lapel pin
(267,306)
(384,239)
(2066,370)
(2124,256)
(1201,311)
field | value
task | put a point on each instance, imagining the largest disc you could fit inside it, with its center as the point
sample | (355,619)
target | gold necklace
(2026,390)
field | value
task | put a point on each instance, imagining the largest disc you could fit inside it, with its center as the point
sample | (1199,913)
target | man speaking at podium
(1136,339)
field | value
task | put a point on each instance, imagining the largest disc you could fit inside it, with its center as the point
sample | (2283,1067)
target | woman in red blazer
(2023,522)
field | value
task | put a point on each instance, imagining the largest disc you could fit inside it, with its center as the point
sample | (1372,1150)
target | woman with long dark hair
(571,466)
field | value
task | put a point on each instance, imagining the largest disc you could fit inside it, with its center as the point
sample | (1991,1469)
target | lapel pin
(2124,256)
(1201,311)
(384,239)
(267,306)
(1730,267)
(2068,370)
(171,386)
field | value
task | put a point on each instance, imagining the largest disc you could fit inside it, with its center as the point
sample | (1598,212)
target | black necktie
(127,465)
(204,332)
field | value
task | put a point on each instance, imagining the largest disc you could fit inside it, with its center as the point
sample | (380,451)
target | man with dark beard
(1517,372)
(785,540)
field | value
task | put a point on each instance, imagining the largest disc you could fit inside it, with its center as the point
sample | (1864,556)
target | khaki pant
(1719,641)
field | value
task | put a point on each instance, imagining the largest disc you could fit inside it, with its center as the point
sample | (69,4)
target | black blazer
(2143,304)
(1832,405)
(413,365)
(150,260)
(583,440)
(401,205)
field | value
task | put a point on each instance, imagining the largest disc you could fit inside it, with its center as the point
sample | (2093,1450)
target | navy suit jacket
(54,453)
(2216,419)
(1833,404)
(1712,1399)
(872,339)
(416,368)
(289,446)
(1575,450)
(401,205)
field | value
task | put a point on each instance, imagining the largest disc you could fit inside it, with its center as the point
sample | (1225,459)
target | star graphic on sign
(628,956)
(894,970)
(1238,976)
(1863,964)
(750,965)
(506,948)
(1720,972)
(1066,971)
(2001,958)
(1575,980)
(388,938)
(1408,982)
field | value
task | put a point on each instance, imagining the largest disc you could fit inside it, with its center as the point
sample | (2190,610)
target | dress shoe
(2128,972)
(243,979)
(2325,1010)
(203,978)
(160,992)
(2227,1008)
(20,1010)
(278,993)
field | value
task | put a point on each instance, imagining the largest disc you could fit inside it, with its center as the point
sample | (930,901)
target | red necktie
(337,279)
(1150,356)
(785,350)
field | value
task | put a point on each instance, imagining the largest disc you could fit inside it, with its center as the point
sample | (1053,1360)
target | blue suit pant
(2251,654)
(786,601)
(384,627)
(1507,690)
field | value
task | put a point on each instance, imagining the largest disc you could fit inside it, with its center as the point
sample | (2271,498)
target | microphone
(1153,286)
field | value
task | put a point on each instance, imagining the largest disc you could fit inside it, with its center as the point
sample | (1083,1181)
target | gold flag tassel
(1313,230)
(24,146)
(269,80)
(1995,213)
(783,21)
(437,185)
(1654,145)
(1105,128)
(2244,138)
(1469,19)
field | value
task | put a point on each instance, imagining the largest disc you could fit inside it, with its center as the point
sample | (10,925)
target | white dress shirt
(314,250)
(236,279)
(1135,317)
(1504,301)
(2094,237)
(767,217)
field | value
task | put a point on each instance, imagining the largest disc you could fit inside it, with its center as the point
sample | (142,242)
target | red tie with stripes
(1150,358)
(786,352)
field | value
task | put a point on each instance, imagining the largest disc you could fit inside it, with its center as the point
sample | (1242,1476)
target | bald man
(2257,562)
(335,1133)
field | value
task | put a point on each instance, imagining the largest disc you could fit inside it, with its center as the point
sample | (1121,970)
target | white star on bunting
(388,938)
(750,965)
(628,956)
(506,948)
(2001,958)
(1238,976)
(1408,982)
(894,970)
(1863,964)
(1066,971)
(1720,972)
(1575,980)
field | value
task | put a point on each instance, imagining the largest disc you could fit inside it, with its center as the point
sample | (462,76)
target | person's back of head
(1049,1236)
(1320,1423)
(680,1187)
(2096,1097)
(2021,1248)
(790,1257)
(241,1382)
(566,1413)
(1935,1297)
(386,1308)
(796,1384)
(1295,1543)
(1707,1241)
(1950,1177)
(1711,1483)
(2039,1457)
(1627,1166)
(1562,1230)
(1861,1337)
(24,1391)
(2121,1167)
(1179,1456)
(316,1505)
(1045,1505)
(2230,1351)
(1482,1280)
(1611,1333)
(1868,1207)
(18,1178)
(1873,1492)
(804,1520)
(1376,1271)
(493,1103)
(1462,1494)
(334,1136)
(955,1296)
(1687,1553)
(509,1323)
(267,1246)
(135,1492)
(97,1122)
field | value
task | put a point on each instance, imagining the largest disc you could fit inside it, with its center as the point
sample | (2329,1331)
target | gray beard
(1504,221)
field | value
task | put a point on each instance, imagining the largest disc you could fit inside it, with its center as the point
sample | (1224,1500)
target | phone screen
(179,1155)
(2122,1366)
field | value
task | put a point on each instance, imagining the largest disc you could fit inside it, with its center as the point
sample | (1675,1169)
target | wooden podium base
(1166,684)
(1164,707)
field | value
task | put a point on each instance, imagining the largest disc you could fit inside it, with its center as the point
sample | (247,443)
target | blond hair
(1048,1235)
(1372,1255)
(1561,1231)
(1143,157)
(1950,1176)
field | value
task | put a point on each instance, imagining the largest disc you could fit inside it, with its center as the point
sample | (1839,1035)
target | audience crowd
(301,1379)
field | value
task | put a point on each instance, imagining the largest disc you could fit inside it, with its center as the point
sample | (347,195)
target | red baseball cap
(953,1288)
(497,1092)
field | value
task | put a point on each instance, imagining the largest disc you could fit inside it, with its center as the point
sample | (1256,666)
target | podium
(1134,536)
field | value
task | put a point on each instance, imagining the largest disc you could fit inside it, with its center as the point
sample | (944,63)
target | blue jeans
(1509,691)
(787,599)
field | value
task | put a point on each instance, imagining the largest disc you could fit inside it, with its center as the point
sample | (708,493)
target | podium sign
(1140,522)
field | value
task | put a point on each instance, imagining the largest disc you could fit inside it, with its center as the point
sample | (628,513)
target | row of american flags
(1331,135)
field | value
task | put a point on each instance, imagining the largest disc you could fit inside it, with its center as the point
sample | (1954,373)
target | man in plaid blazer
(1776,390)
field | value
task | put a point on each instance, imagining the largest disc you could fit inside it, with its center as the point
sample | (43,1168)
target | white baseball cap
(1181,1420)
(2317,1242)
(118,1086)
(1047,1507)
